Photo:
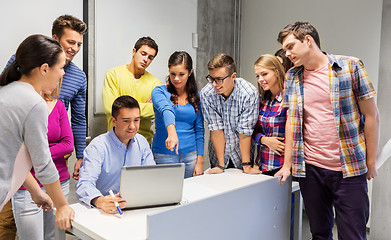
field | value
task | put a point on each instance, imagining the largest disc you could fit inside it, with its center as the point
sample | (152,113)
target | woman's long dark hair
(191,89)
(34,51)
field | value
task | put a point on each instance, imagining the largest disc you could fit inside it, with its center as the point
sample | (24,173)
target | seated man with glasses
(230,108)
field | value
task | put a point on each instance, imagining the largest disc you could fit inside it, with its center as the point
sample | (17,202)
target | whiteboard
(22,18)
(120,23)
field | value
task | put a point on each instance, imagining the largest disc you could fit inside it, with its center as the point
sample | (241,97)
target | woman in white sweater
(38,67)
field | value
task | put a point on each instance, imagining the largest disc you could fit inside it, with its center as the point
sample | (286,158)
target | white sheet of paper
(384,154)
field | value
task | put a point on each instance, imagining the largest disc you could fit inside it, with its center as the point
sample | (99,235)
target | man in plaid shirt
(230,108)
(332,133)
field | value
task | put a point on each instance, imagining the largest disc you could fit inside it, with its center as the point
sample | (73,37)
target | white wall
(347,27)
(22,18)
(120,23)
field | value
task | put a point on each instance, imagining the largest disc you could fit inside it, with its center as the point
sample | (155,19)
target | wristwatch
(246,164)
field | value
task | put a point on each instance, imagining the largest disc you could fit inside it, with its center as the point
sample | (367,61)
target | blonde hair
(55,94)
(270,62)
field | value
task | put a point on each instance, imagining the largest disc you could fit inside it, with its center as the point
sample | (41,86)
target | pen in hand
(116,203)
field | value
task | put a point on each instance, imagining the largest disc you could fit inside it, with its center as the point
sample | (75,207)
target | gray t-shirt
(23,118)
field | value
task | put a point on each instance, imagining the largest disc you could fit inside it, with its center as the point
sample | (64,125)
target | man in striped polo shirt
(68,31)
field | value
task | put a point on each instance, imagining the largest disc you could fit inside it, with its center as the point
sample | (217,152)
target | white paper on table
(384,154)
(195,191)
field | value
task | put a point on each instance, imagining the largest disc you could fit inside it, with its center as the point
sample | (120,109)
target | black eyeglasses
(217,80)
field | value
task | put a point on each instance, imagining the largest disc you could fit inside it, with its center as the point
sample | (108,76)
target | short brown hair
(146,41)
(68,21)
(124,101)
(222,60)
(299,30)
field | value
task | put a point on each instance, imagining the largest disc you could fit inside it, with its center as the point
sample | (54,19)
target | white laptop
(153,185)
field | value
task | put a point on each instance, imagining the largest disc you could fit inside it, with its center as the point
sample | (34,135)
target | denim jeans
(189,159)
(32,222)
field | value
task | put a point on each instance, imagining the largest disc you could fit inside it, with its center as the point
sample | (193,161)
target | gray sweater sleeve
(36,141)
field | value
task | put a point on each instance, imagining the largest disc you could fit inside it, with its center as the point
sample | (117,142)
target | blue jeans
(189,159)
(32,222)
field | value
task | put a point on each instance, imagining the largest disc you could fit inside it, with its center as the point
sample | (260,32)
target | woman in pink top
(31,221)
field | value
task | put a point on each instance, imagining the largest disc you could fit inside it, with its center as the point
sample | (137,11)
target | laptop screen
(152,185)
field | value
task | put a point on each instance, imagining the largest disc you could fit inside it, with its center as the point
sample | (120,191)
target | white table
(231,205)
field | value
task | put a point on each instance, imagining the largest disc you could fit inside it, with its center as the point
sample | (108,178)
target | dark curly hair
(191,89)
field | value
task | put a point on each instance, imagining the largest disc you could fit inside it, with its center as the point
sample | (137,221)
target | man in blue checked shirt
(230,108)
